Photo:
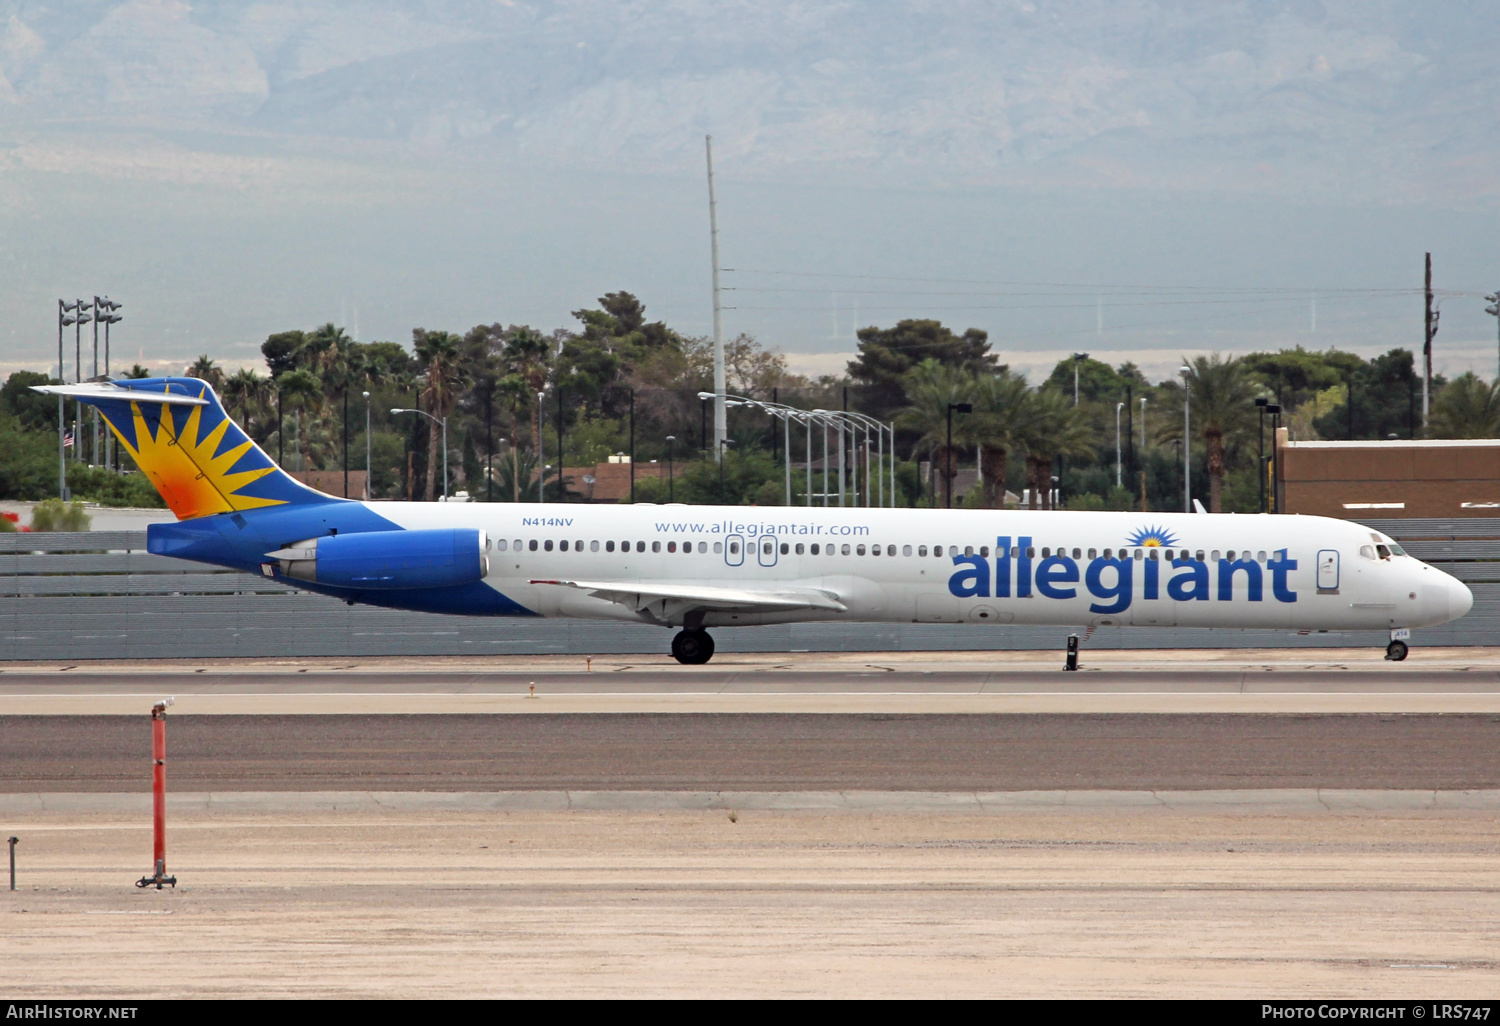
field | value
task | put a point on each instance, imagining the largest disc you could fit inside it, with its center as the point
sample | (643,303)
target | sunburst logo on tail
(1152,537)
(189,462)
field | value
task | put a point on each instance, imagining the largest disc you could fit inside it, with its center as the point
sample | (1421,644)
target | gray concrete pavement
(1433,681)
(756,752)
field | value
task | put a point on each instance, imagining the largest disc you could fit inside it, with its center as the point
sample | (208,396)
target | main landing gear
(1396,650)
(693,647)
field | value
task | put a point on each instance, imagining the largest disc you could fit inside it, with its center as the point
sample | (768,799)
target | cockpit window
(1368,551)
(1396,550)
(1383,552)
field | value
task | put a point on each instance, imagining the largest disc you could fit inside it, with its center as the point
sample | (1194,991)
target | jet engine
(388,560)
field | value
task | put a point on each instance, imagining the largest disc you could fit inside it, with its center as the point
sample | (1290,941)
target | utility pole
(1118,408)
(1260,452)
(1187,446)
(1494,311)
(721,417)
(1430,322)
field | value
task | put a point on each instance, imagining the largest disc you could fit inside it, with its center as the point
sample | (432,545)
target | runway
(1451,681)
(757,752)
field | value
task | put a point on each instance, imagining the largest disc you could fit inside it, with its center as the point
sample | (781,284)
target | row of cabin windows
(846,549)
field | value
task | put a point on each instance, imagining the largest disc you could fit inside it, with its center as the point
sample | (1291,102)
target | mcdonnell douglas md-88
(696,567)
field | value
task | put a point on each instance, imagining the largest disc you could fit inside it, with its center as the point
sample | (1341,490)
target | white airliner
(697,567)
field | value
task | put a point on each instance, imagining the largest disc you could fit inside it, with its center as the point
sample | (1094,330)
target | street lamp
(671,452)
(368,492)
(66,315)
(1274,409)
(948,454)
(442,422)
(1261,403)
(1077,358)
(1118,482)
(724,443)
(541,471)
(1187,445)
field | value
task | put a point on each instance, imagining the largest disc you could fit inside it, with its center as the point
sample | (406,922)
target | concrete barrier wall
(100,595)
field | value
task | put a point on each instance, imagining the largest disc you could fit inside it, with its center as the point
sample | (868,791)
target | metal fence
(100,595)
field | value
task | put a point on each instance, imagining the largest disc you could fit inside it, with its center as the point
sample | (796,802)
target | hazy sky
(1134,179)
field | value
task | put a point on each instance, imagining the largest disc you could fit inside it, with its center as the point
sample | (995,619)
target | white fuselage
(958,566)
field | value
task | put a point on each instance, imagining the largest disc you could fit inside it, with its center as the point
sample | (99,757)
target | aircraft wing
(640,595)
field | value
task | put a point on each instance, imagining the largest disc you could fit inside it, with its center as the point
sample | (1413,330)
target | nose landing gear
(692,647)
(1397,649)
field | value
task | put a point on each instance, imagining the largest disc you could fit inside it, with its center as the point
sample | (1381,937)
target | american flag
(68,440)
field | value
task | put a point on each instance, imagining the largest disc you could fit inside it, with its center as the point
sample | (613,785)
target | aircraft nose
(1460,598)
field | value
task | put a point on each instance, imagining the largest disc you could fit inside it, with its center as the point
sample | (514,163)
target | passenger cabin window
(921,550)
(593,546)
(1200,555)
(609,546)
(799,548)
(813,548)
(532,545)
(860,550)
(547,544)
(562,546)
(501,545)
(719,548)
(844,550)
(906,550)
(1260,557)
(734,548)
(1031,552)
(671,546)
(1093,553)
(656,546)
(785,548)
(640,546)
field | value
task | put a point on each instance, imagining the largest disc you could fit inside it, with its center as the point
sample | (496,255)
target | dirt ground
(433,903)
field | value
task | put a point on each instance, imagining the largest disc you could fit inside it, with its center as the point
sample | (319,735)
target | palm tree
(441,354)
(205,369)
(246,390)
(999,411)
(301,390)
(1466,408)
(1050,426)
(931,387)
(1221,399)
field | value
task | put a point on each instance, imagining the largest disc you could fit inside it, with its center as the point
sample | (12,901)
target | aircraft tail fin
(198,458)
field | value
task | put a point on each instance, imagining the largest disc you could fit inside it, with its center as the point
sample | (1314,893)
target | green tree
(888,355)
(444,372)
(56,515)
(302,392)
(33,410)
(1051,427)
(931,387)
(205,369)
(1221,399)
(998,423)
(1466,408)
(246,392)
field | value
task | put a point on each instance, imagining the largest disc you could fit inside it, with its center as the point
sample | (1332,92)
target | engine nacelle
(388,560)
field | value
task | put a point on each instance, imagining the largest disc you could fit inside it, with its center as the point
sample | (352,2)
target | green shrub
(55,515)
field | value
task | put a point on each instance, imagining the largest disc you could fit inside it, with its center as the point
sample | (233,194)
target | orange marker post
(159,798)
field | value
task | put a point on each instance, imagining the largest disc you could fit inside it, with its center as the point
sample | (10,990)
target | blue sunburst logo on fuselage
(1152,537)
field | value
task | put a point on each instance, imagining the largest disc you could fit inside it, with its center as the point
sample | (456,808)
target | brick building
(1438,478)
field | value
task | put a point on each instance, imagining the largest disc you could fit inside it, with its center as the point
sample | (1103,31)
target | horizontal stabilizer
(109,390)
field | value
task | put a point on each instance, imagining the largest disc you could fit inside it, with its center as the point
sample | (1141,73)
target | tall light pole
(66,314)
(1077,358)
(671,476)
(724,443)
(443,423)
(1187,445)
(1118,470)
(1260,442)
(541,464)
(109,317)
(1494,311)
(369,493)
(80,319)
(721,381)
(948,453)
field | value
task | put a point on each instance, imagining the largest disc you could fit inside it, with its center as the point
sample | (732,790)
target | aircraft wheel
(693,648)
(1396,651)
